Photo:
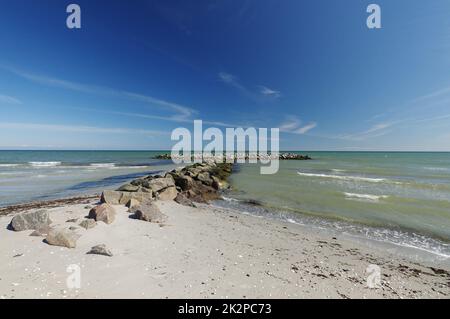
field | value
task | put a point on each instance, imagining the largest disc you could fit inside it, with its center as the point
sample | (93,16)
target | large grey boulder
(183,200)
(185,182)
(30,220)
(129,188)
(205,178)
(111,197)
(148,212)
(139,196)
(62,237)
(159,184)
(104,213)
(169,193)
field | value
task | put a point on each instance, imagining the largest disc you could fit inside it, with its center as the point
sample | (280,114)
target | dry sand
(205,252)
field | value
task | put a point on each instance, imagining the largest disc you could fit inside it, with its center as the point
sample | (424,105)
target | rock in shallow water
(30,220)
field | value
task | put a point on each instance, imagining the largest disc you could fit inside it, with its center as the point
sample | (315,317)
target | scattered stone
(73,228)
(30,220)
(88,223)
(73,220)
(148,212)
(41,232)
(104,213)
(62,237)
(100,250)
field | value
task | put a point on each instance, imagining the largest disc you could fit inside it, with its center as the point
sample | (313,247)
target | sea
(401,198)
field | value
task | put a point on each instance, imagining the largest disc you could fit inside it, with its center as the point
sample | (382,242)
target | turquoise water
(38,175)
(400,197)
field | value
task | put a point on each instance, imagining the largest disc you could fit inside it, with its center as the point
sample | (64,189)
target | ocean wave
(438,169)
(345,177)
(366,197)
(229,199)
(9,165)
(103,165)
(44,164)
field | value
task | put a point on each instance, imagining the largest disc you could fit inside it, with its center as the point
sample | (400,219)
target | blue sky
(137,70)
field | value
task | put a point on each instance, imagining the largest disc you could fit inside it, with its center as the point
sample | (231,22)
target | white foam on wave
(344,177)
(228,199)
(9,165)
(44,164)
(367,197)
(102,165)
(438,169)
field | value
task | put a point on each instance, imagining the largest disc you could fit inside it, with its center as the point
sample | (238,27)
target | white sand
(204,252)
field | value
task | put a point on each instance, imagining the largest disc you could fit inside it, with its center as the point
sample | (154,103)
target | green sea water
(403,197)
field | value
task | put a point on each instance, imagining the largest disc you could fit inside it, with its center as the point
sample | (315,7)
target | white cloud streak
(181,111)
(293,125)
(263,91)
(9,99)
(78,129)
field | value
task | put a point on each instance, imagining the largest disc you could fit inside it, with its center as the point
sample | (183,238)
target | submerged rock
(30,220)
(104,213)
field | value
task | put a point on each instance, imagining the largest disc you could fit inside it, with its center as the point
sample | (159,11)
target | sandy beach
(204,252)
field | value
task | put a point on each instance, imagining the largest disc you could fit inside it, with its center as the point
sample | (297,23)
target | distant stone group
(246,156)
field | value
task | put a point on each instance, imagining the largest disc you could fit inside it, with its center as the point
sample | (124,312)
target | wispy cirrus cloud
(78,128)
(376,130)
(260,91)
(264,90)
(9,99)
(181,111)
(293,125)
